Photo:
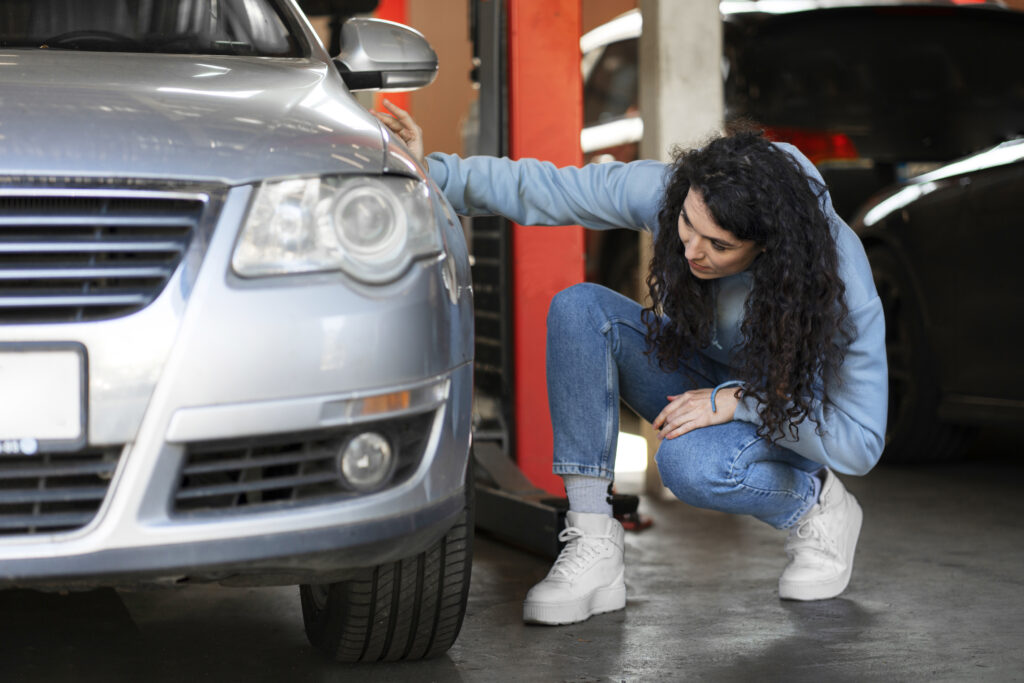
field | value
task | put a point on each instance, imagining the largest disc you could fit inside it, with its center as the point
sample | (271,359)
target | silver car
(235,318)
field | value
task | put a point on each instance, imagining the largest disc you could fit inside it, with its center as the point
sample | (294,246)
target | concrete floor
(936,595)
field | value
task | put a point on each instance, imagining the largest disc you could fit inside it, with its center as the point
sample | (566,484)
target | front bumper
(219,358)
(289,558)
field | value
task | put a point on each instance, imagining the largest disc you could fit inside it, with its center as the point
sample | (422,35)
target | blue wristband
(723,385)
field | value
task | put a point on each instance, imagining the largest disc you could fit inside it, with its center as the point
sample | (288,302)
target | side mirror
(382,55)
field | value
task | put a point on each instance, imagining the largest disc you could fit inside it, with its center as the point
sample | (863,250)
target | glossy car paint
(956,233)
(219,356)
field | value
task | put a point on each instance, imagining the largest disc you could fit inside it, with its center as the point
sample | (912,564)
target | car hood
(224,119)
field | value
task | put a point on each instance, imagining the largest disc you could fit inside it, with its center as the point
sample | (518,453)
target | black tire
(914,432)
(405,610)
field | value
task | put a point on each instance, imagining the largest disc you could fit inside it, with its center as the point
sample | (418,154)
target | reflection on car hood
(226,119)
(1009,152)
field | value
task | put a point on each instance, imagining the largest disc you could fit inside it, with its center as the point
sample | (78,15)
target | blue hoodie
(620,195)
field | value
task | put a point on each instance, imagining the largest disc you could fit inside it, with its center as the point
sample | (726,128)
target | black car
(945,251)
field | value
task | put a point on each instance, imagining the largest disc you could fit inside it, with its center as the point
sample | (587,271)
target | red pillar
(397,11)
(545,117)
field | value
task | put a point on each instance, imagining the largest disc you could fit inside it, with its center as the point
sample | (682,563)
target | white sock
(588,494)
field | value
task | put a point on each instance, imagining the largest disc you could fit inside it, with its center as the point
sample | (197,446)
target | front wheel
(409,609)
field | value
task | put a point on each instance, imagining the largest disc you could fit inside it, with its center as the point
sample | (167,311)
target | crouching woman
(760,361)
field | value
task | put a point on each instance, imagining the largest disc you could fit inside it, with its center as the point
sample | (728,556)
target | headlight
(369,227)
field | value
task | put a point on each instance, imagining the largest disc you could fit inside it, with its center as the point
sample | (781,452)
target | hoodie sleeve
(533,192)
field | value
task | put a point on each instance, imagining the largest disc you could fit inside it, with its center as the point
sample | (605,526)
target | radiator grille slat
(89,255)
(52,495)
(16,220)
(57,469)
(50,492)
(265,485)
(73,300)
(71,271)
(46,522)
(229,464)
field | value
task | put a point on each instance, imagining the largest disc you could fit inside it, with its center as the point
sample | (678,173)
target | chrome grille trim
(71,254)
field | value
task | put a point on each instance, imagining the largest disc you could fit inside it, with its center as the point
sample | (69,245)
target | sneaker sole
(824,590)
(608,599)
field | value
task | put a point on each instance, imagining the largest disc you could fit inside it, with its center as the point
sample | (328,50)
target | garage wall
(441,109)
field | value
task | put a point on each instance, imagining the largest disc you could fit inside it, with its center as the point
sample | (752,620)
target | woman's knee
(694,469)
(573,298)
(574,305)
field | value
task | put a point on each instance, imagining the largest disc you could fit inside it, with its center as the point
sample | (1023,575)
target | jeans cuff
(561,468)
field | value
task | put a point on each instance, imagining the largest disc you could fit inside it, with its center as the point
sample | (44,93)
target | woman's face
(711,251)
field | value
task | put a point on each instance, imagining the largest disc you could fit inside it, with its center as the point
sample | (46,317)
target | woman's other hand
(402,124)
(692,410)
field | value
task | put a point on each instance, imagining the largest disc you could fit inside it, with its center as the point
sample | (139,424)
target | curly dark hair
(794,332)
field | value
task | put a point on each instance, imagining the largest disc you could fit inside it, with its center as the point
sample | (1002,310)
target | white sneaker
(821,545)
(587,577)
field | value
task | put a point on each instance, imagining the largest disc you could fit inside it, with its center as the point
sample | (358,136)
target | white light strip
(612,134)
(898,201)
(1007,153)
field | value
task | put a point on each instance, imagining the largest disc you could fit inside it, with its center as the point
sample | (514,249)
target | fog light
(366,461)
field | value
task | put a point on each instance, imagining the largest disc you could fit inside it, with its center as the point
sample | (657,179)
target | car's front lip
(313,555)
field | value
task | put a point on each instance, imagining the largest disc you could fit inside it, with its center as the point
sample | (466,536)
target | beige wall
(442,107)
(596,12)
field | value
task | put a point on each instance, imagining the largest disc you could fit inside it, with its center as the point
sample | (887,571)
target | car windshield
(234,27)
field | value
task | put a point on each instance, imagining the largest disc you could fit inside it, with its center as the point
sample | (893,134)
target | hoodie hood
(231,120)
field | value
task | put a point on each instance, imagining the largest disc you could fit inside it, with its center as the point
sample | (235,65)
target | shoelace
(580,549)
(809,534)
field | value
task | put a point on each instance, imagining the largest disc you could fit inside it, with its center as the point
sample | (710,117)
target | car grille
(69,255)
(287,470)
(50,492)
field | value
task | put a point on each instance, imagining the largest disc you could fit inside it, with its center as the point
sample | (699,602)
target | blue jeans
(596,356)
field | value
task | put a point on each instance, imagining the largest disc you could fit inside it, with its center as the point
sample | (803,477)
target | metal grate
(88,254)
(50,492)
(287,470)
(492,371)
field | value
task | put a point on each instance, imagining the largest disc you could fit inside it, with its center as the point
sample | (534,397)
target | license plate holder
(43,391)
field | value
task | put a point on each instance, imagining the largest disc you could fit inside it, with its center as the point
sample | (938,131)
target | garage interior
(936,593)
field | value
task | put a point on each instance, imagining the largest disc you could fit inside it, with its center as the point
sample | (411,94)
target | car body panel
(224,119)
(955,231)
(217,358)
